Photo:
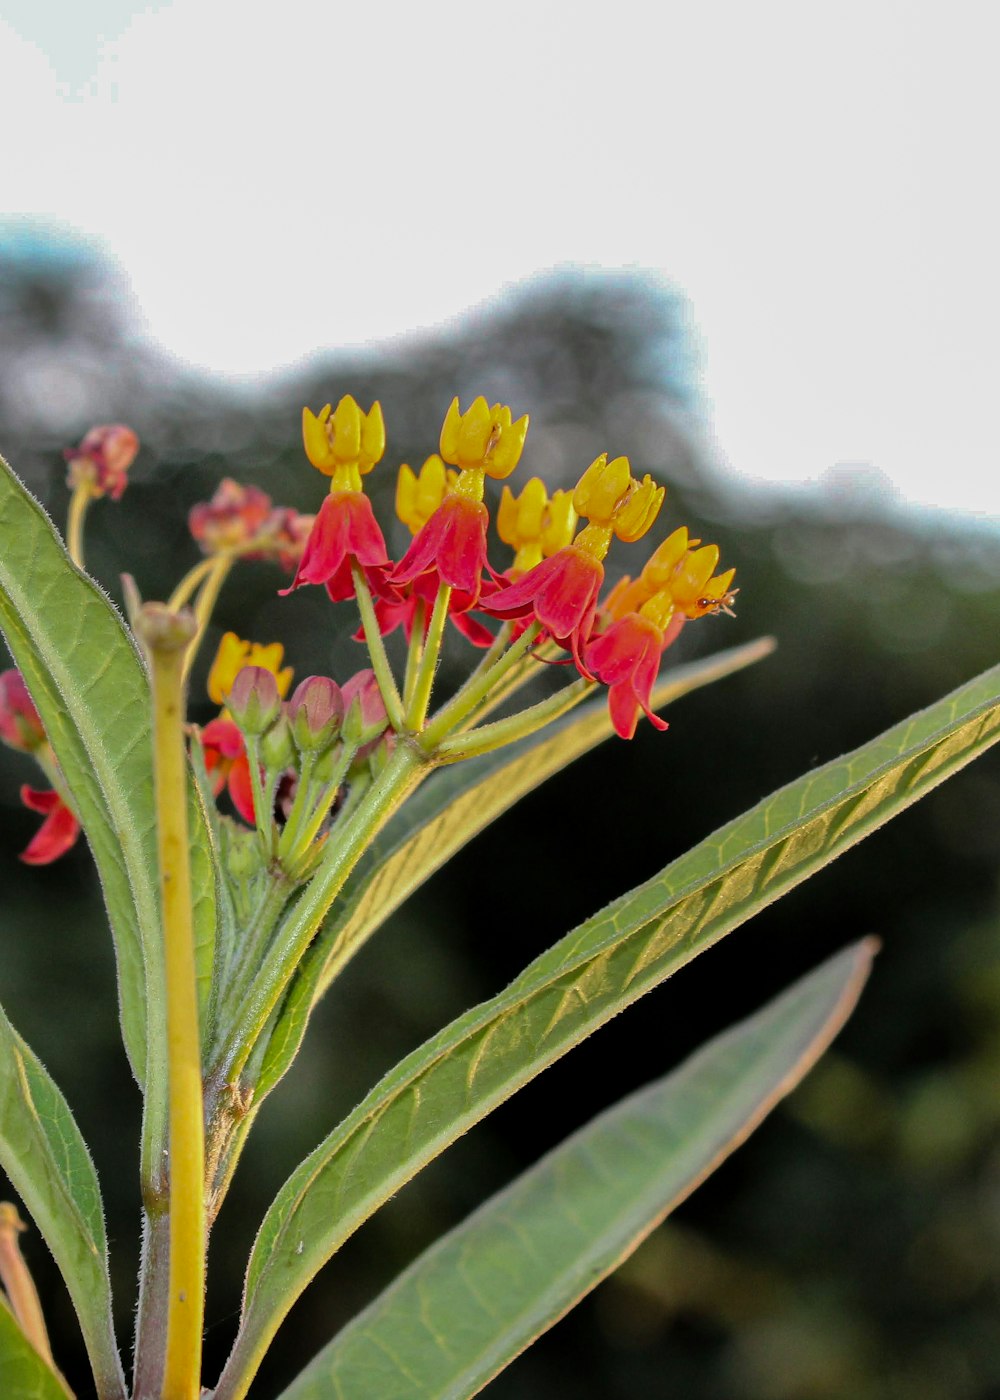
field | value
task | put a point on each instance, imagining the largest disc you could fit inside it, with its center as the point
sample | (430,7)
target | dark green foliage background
(851,1249)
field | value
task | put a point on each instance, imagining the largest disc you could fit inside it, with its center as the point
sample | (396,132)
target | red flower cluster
(102,460)
(241,519)
(555,581)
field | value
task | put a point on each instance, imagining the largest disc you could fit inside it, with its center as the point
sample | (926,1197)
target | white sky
(820,181)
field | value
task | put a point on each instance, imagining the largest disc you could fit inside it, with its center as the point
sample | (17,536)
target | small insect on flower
(713,606)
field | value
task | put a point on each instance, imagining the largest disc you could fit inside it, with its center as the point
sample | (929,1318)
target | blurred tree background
(852,1248)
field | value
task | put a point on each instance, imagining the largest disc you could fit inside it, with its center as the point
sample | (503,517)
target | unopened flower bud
(364,708)
(20,724)
(277,751)
(161,630)
(253,700)
(316,711)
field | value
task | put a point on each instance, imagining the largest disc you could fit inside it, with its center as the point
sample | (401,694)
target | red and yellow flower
(561,592)
(450,545)
(647,614)
(344,444)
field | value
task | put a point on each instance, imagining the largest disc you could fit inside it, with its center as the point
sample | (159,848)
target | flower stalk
(167,637)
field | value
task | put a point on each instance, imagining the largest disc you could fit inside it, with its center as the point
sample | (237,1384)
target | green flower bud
(277,751)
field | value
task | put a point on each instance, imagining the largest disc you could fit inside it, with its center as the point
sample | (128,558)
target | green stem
(261,810)
(167,637)
(321,807)
(477,689)
(404,770)
(376,648)
(151,1314)
(288,841)
(78,504)
(206,601)
(507,731)
(420,698)
(182,593)
(254,942)
(414,653)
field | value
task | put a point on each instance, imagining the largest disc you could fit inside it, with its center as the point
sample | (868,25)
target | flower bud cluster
(242,520)
(102,460)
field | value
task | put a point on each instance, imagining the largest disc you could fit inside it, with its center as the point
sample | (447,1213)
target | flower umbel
(102,460)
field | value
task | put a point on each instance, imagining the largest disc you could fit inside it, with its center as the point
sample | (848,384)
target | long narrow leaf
(43,1153)
(455,805)
(484,1292)
(91,690)
(443,1088)
(25,1375)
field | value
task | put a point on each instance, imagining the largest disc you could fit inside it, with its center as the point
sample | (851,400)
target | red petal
(241,788)
(58,831)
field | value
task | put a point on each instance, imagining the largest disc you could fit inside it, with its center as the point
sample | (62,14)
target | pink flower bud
(366,720)
(102,460)
(20,725)
(316,712)
(364,705)
(253,699)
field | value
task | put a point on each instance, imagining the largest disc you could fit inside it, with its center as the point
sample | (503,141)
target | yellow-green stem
(507,731)
(321,808)
(182,594)
(414,652)
(205,603)
(420,699)
(468,700)
(376,648)
(167,637)
(78,503)
(261,810)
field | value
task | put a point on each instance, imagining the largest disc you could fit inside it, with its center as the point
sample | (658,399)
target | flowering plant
(245,862)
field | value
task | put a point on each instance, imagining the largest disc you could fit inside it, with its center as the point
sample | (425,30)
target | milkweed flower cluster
(291,761)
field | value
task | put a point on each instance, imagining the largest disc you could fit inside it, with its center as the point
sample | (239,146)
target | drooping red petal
(627,659)
(344,528)
(453,543)
(561,592)
(57,833)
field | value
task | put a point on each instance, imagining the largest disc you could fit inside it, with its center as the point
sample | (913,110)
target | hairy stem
(167,637)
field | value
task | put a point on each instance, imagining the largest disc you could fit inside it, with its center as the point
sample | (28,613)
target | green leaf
(46,1158)
(452,807)
(452,1081)
(484,1292)
(25,1374)
(91,689)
